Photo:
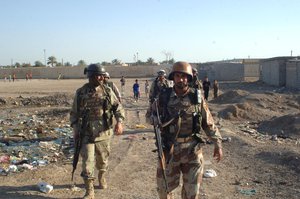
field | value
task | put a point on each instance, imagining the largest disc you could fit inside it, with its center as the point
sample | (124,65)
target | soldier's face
(180,80)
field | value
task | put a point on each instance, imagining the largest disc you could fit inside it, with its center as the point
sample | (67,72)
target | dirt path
(255,165)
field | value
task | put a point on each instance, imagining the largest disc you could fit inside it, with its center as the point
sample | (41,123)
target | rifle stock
(78,142)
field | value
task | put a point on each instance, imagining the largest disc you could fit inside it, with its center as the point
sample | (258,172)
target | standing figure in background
(196,83)
(147,86)
(216,89)
(136,90)
(206,87)
(14,77)
(158,85)
(112,85)
(122,80)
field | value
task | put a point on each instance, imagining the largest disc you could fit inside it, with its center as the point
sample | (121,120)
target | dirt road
(261,156)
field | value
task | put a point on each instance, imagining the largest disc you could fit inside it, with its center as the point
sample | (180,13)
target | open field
(261,160)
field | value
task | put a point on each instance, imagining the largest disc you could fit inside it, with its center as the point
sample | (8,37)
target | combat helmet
(182,67)
(106,75)
(161,72)
(94,69)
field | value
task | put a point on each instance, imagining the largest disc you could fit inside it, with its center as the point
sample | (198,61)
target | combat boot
(102,181)
(89,187)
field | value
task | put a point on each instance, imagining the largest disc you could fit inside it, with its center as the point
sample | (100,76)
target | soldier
(112,86)
(102,104)
(206,87)
(216,88)
(196,83)
(182,135)
(158,85)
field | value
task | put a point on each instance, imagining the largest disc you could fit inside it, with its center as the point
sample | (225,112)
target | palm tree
(150,60)
(116,62)
(52,60)
(81,63)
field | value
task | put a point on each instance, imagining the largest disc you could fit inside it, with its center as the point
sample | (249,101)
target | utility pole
(291,53)
(45,57)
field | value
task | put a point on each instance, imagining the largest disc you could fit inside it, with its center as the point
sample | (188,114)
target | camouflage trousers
(94,155)
(188,161)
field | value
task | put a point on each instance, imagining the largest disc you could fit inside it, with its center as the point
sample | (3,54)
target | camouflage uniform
(114,88)
(196,83)
(187,158)
(103,105)
(157,87)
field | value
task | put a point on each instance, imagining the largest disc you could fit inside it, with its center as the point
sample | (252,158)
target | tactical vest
(97,100)
(191,125)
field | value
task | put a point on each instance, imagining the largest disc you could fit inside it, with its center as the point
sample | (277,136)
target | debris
(45,187)
(210,173)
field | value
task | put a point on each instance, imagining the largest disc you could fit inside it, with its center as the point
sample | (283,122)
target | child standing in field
(136,90)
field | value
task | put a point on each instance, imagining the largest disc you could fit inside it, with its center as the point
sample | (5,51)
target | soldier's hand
(118,128)
(218,154)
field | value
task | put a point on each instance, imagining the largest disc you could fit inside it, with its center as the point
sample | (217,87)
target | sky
(188,30)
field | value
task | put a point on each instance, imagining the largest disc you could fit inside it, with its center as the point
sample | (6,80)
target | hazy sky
(191,30)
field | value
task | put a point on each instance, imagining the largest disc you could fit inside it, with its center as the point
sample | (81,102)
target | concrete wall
(251,69)
(273,71)
(222,71)
(293,74)
(77,71)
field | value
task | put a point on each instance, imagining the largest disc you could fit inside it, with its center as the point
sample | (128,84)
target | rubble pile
(30,141)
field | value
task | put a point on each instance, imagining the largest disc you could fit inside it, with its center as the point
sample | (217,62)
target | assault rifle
(83,123)
(161,155)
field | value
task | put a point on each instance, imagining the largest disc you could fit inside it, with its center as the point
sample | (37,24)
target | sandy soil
(261,156)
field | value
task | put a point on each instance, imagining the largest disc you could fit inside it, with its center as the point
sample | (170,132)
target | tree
(104,63)
(150,60)
(38,64)
(17,65)
(67,64)
(52,61)
(116,62)
(81,63)
(172,61)
(26,65)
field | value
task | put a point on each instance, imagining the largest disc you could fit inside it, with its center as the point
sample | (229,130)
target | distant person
(30,76)
(9,78)
(196,83)
(136,90)
(206,87)
(112,85)
(123,81)
(5,77)
(14,77)
(216,89)
(27,76)
(147,87)
(59,76)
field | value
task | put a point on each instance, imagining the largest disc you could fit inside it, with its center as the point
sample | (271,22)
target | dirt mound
(288,125)
(234,96)
(238,111)
(57,99)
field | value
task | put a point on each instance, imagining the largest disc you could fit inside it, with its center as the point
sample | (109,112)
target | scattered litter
(140,126)
(45,187)
(248,192)
(210,173)
(226,139)
(74,188)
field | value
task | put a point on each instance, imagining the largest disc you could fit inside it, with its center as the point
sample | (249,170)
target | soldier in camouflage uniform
(158,85)
(112,86)
(183,137)
(102,104)
(196,83)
